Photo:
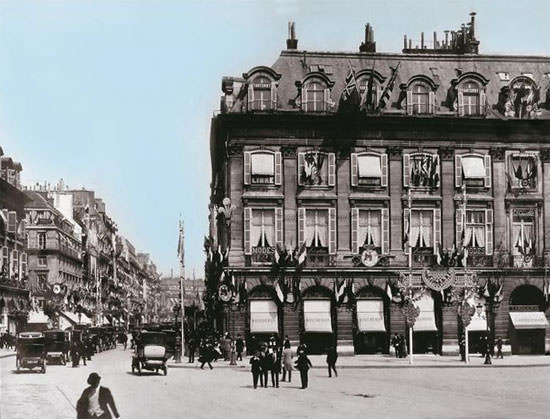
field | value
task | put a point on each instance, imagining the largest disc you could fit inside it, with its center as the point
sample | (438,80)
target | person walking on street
(287,361)
(239,346)
(206,356)
(96,401)
(332,356)
(303,364)
(227,343)
(266,364)
(395,344)
(275,367)
(192,349)
(75,356)
(402,347)
(82,351)
(499,348)
(255,368)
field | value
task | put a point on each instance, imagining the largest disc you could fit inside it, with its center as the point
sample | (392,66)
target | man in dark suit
(303,364)
(96,401)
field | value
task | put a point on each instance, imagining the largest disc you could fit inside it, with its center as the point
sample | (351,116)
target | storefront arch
(526,295)
(318,319)
(264,317)
(371,321)
(428,328)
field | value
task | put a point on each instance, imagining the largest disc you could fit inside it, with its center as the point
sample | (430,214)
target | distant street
(395,392)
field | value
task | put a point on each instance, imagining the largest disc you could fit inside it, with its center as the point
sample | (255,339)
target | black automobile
(31,351)
(57,346)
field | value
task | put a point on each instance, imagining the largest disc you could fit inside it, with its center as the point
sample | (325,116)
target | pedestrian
(239,346)
(275,368)
(287,361)
(207,356)
(499,348)
(82,351)
(402,346)
(255,368)
(286,341)
(227,345)
(124,338)
(75,356)
(303,364)
(266,363)
(192,349)
(253,345)
(96,401)
(272,343)
(395,344)
(302,347)
(482,346)
(332,356)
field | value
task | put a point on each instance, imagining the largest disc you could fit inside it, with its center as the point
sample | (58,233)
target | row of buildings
(63,261)
(360,194)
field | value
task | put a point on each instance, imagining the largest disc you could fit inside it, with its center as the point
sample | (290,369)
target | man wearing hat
(96,401)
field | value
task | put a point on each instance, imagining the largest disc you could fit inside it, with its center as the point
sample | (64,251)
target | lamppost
(488,307)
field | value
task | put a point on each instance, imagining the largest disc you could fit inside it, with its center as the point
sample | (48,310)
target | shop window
(317,228)
(316,169)
(315,96)
(475,230)
(369,169)
(370,227)
(473,170)
(420,99)
(523,171)
(421,170)
(471,99)
(262,94)
(262,232)
(262,168)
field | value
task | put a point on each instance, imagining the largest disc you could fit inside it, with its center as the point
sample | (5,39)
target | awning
(37,317)
(317,316)
(263,316)
(478,323)
(76,318)
(425,321)
(473,167)
(529,320)
(369,166)
(370,316)
(263,164)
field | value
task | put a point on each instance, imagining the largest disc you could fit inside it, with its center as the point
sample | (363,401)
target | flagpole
(409,202)
(182,277)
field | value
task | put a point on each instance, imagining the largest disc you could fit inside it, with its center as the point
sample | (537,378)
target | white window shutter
(385,231)
(354,173)
(437,229)
(301,226)
(247,168)
(406,169)
(331,169)
(488,231)
(409,102)
(279,227)
(458,171)
(431,102)
(459,218)
(406,229)
(460,98)
(278,168)
(273,95)
(247,220)
(301,160)
(12,221)
(482,102)
(488,171)
(384,169)
(354,229)
(250,97)
(304,100)
(326,100)
(332,230)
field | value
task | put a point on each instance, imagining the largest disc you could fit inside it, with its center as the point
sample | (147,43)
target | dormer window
(519,99)
(369,89)
(262,167)
(420,99)
(473,170)
(369,169)
(262,94)
(315,92)
(471,99)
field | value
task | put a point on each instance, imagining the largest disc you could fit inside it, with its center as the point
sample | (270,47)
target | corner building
(439,162)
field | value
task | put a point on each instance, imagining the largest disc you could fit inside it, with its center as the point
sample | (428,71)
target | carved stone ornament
(234,149)
(497,154)
(369,257)
(395,153)
(410,312)
(224,293)
(446,153)
(289,151)
(545,155)
(438,280)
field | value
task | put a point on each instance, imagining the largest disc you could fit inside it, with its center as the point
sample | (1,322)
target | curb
(7,355)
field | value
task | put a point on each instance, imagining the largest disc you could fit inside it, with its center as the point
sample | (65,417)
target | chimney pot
(291,42)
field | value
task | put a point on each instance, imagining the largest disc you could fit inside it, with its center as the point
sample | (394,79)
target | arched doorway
(263,317)
(528,322)
(428,326)
(318,315)
(372,321)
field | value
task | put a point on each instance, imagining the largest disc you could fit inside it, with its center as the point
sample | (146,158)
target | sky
(117,95)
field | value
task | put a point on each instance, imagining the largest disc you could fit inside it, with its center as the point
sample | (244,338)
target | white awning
(369,166)
(37,317)
(478,323)
(473,167)
(263,316)
(77,318)
(370,316)
(263,164)
(426,319)
(529,319)
(317,316)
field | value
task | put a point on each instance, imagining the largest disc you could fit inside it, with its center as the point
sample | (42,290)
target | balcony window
(473,170)
(523,171)
(421,170)
(369,228)
(474,230)
(316,168)
(523,231)
(317,228)
(263,231)
(263,168)
(423,229)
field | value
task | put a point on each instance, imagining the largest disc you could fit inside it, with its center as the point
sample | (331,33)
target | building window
(315,96)
(523,231)
(523,171)
(368,101)
(262,168)
(317,228)
(42,261)
(422,228)
(262,94)
(263,231)
(369,169)
(471,99)
(421,170)
(473,170)
(5,258)
(368,227)
(316,168)
(41,240)
(519,99)
(475,230)
(420,99)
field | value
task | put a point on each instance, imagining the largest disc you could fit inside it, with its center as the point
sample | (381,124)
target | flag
(276,255)
(438,253)
(486,292)
(302,253)
(340,288)
(297,291)
(279,291)
(498,294)
(243,296)
(366,100)
(181,248)
(350,98)
(388,290)
(389,87)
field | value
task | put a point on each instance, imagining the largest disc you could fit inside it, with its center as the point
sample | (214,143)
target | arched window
(315,96)
(471,99)
(370,95)
(520,99)
(262,94)
(420,99)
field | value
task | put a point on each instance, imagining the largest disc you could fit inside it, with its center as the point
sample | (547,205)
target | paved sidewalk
(5,353)
(385,361)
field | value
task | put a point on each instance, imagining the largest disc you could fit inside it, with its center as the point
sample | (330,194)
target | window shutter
(278,168)
(488,231)
(384,169)
(326,100)
(247,168)
(279,227)
(332,230)
(406,169)
(354,229)
(460,103)
(301,226)
(301,159)
(431,102)
(437,229)
(331,169)
(458,171)
(273,95)
(487,171)
(406,219)
(409,102)
(385,231)
(354,173)
(459,227)
(304,100)
(482,102)
(12,221)
(250,97)
(247,219)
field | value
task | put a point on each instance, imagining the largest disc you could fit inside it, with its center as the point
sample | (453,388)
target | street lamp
(487,340)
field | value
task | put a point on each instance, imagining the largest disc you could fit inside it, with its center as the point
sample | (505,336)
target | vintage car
(170,342)
(31,351)
(57,345)
(150,353)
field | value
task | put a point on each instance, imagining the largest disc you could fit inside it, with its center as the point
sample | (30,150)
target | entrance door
(530,342)
(318,334)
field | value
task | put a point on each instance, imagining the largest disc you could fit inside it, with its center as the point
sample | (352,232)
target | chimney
(435,46)
(404,41)
(291,42)
(421,40)
(473,25)
(369,45)
(446,39)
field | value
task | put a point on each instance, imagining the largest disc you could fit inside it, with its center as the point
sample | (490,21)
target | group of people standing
(399,344)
